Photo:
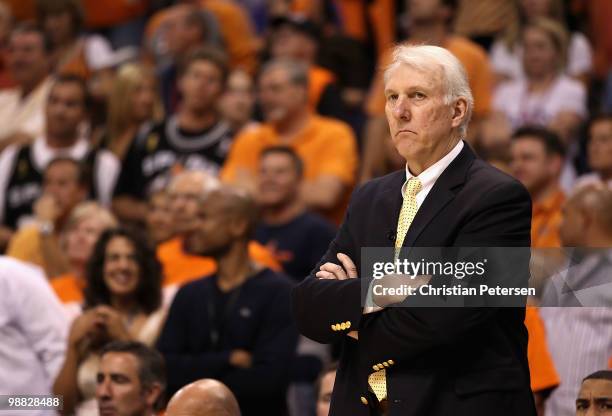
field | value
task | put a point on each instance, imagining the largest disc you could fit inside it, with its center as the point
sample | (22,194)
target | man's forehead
(596,388)
(406,76)
(119,363)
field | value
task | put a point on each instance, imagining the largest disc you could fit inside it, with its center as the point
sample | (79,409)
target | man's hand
(241,359)
(333,271)
(392,282)
(110,320)
(46,209)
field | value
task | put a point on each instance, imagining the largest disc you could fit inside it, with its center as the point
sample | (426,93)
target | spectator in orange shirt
(326,146)
(297,38)
(537,159)
(429,23)
(180,267)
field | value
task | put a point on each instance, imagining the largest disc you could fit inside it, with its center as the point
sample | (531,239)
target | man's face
(239,98)
(600,146)
(27,58)
(65,110)
(278,180)
(118,390)
(59,27)
(573,226)
(423,9)
(420,123)
(325,392)
(159,218)
(595,398)
(183,198)
(532,165)
(280,98)
(201,86)
(61,181)
(289,43)
(213,230)
(180,36)
(540,56)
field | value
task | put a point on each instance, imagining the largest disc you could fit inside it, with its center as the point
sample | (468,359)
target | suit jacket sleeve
(318,304)
(502,219)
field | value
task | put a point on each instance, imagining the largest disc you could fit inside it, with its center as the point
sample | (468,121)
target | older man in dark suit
(424,361)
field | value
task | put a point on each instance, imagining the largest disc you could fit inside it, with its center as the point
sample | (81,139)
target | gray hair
(427,57)
(296,71)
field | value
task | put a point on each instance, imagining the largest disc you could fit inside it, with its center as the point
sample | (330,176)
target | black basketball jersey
(24,180)
(164,150)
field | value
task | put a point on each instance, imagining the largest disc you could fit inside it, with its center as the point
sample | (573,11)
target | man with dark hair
(195,138)
(131,379)
(22,108)
(595,396)
(537,161)
(298,238)
(326,146)
(599,151)
(65,184)
(21,168)
(235,325)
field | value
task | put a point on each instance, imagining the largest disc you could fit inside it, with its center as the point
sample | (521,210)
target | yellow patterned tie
(407,213)
(378,379)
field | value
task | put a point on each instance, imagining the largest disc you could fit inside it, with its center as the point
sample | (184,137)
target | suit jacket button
(333,327)
(391,362)
(343,326)
(364,400)
(348,324)
(375,367)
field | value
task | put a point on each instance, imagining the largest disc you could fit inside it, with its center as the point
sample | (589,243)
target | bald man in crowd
(595,396)
(578,328)
(234,325)
(206,397)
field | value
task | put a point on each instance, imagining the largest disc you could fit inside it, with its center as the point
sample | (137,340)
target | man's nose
(103,389)
(401,109)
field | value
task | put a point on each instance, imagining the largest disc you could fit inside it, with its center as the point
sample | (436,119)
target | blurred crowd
(169,169)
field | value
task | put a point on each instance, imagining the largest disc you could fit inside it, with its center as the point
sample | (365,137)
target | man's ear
(152,393)
(238,227)
(459,111)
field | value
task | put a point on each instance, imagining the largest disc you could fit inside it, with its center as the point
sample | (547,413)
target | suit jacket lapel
(441,194)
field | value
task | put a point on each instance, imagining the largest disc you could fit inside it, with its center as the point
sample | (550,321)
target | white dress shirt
(430,175)
(428,179)
(33,332)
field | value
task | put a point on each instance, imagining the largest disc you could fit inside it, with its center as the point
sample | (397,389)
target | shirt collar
(430,175)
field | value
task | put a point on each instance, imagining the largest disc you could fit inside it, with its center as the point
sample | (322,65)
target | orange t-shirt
(543,373)
(68,288)
(318,79)
(325,145)
(473,58)
(381,16)
(180,268)
(546,220)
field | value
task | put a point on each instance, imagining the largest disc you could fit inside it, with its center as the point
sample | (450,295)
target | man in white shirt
(22,108)
(33,330)
(21,168)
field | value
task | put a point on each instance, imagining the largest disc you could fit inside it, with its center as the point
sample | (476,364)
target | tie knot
(413,187)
